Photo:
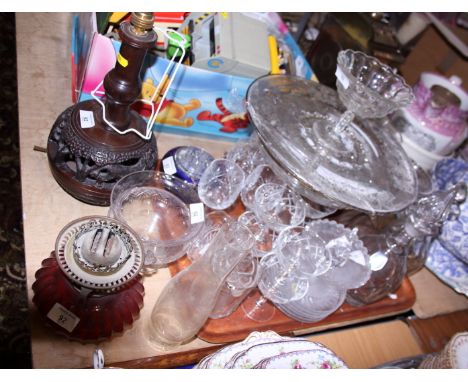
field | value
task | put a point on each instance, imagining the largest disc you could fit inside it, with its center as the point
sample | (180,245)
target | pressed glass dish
(368,87)
(364,168)
(156,206)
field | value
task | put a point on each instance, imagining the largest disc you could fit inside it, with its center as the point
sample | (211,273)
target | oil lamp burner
(86,156)
(89,288)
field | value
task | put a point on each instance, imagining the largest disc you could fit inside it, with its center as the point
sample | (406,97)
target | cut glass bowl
(369,88)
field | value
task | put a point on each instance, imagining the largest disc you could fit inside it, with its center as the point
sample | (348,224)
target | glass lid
(362,166)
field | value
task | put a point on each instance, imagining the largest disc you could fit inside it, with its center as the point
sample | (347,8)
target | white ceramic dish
(219,359)
(255,354)
(303,359)
(261,346)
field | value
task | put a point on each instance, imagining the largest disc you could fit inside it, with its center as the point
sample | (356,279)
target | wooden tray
(237,326)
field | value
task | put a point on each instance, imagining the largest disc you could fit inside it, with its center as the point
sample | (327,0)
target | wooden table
(44,86)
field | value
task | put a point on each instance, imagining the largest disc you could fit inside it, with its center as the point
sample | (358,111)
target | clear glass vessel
(388,251)
(363,166)
(157,207)
(221,184)
(189,298)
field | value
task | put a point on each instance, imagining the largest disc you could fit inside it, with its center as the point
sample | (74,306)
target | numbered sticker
(197,213)
(169,165)
(342,78)
(63,317)
(86,119)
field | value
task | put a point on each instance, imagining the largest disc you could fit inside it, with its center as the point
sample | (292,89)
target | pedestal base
(87,162)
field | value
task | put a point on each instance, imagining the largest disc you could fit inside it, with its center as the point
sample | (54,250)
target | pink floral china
(439,113)
(303,359)
(270,350)
(255,354)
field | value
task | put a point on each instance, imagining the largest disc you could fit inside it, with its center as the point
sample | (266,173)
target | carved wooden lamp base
(86,156)
(87,162)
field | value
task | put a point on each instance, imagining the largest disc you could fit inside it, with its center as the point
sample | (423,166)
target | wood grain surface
(371,345)
(434,297)
(434,333)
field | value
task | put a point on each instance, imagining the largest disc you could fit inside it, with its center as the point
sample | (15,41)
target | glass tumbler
(278,206)
(260,175)
(221,184)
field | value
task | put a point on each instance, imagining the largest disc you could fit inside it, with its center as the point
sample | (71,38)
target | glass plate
(364,167)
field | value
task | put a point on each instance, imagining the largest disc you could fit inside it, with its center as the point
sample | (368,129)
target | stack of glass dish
(329,154)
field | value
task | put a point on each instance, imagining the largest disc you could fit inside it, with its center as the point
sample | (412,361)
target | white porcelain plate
(219,359)
(303,359)
(255,354)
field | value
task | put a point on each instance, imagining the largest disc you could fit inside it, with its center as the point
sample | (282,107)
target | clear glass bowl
(156,206)
(221,184)
(305,246)
(278,283)
(278,206)
(260,175)
(369,88)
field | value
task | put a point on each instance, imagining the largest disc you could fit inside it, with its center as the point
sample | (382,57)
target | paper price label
(197,213)
(63,317)
(169,165)
(86,119)
(342,78)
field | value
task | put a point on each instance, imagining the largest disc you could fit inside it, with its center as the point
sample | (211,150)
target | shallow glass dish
(365,167)
(368,87)
(157,207)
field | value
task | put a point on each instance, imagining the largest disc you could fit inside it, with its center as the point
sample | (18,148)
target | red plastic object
(99,314)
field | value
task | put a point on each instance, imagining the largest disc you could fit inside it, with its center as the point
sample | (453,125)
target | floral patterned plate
(303,359)
(255,354)
(219,359)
